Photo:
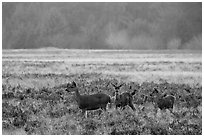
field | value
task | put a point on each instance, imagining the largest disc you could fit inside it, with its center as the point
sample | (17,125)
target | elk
(124,99)
(163,101)
(89,102)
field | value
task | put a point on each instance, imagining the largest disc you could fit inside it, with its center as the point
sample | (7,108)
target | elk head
(71,87)
(117,87)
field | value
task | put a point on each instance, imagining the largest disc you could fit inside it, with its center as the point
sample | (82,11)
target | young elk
(89,102)
(124,99)
(163,101)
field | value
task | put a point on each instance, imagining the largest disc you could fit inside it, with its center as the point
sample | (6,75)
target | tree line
(121,25)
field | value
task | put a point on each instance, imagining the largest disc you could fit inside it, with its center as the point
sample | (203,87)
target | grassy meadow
(34,100)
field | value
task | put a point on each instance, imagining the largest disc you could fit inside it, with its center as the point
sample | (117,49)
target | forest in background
(121,25)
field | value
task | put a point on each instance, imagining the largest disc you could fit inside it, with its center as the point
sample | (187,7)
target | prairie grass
(52,113)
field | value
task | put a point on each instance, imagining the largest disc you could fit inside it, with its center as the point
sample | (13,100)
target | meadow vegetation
(34,100)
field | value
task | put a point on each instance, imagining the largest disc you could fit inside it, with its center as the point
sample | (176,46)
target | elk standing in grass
(89,102)
(124,99)
(163,101)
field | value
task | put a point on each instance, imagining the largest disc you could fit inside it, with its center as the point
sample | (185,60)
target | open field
(35,102)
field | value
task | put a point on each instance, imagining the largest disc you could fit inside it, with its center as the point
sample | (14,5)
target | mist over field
(102,25)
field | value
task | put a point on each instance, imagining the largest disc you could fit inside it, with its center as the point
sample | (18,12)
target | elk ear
(121,85)
(68,84)
(156,90)
(133,93)
(164,94)
(74,84)
(113,85)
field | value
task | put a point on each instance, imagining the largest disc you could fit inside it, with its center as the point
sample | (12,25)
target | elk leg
(171,110)
(123,108)
(116,107)
(108,106)
(104,108)
(132,106)
(84,113)
(142,109)
(155,110)
(100,111)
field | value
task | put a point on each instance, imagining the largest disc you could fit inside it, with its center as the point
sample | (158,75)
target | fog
(102,25)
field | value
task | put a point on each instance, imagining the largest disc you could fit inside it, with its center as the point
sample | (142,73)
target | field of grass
(34,100)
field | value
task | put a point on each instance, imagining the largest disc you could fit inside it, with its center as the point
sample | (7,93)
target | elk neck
(116,95)
(76,90)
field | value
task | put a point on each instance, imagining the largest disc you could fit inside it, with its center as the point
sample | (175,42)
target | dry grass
(93,70)
(135,66)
